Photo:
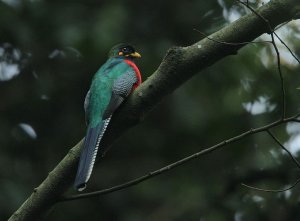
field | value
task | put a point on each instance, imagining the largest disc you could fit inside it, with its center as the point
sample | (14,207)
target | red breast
(137,72)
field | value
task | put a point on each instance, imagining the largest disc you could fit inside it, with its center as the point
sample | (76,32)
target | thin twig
(271,190)
(256,13)
(179,162)
(283,101)
(283,111)
(284,148)
(292,53)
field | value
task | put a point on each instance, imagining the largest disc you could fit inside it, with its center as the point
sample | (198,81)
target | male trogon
(110,86)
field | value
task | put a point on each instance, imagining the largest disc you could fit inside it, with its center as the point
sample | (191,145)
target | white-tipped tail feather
(91,166)
(89,152)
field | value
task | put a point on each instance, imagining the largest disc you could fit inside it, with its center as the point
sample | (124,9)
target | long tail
(89,153)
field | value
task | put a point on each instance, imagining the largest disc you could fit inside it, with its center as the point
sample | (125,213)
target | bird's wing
(121,88)
(98,96)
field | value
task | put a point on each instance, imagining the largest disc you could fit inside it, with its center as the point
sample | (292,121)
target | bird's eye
(124,49)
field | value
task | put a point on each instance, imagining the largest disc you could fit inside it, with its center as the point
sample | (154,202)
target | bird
(111,84)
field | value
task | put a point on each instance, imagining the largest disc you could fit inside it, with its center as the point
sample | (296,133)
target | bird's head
(123,51)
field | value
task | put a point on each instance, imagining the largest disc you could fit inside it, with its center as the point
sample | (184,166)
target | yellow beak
(135,55)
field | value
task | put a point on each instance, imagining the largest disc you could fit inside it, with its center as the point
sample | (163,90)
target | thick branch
(179,65)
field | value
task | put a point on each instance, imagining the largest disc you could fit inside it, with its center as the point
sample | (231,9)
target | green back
(101,88)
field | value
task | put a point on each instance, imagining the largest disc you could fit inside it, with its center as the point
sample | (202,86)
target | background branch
(271,190)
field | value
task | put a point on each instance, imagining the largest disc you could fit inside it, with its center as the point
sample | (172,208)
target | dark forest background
(49,51)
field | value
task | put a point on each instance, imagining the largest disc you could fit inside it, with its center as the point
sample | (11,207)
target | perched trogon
(110,86)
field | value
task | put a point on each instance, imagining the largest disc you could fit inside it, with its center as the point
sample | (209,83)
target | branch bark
(179,65)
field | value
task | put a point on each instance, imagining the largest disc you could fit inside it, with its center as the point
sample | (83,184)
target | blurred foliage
(49,51)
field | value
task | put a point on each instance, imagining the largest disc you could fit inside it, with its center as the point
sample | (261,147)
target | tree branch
(179,65)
